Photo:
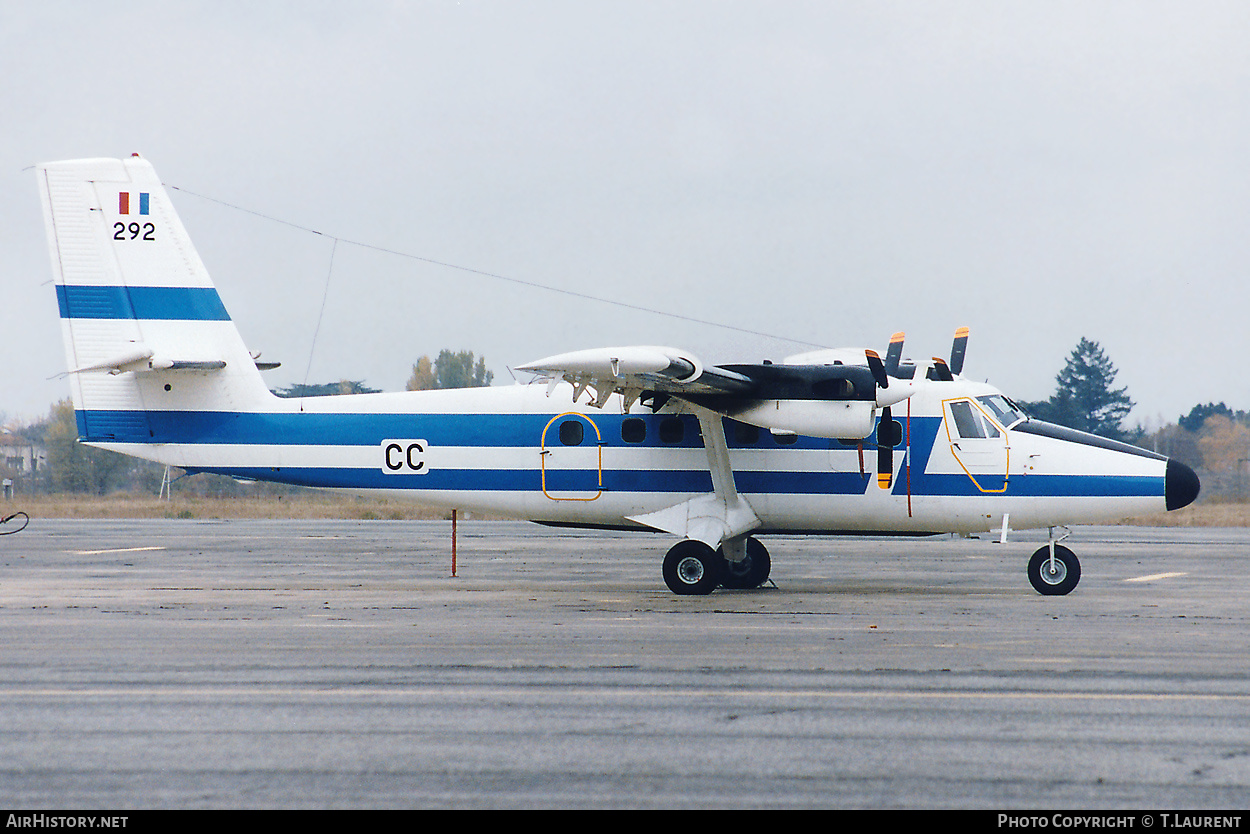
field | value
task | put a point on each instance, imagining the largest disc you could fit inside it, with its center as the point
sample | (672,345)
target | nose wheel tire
(1054,579)
(692,568)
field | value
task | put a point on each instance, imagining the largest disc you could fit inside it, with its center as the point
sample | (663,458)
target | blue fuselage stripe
(689,481)
(520,431)
(370,429)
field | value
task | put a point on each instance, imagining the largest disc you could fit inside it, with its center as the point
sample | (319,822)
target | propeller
(894,354)
(878,369)
(958,348)
(889,435)
(941,371)
(886,431)
(885,452)
(903,388)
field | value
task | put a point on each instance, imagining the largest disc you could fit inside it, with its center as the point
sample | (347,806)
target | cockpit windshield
(1004,410)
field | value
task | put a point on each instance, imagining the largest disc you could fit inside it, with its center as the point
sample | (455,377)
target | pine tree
(1084,397)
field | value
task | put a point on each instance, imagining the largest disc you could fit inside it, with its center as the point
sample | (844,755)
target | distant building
(22,460)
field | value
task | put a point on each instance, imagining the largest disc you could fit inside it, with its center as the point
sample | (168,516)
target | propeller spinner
(902,388)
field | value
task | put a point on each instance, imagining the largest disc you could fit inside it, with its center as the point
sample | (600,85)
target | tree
(1224,443)
(1198,415)
(450,370)
(328,389)
(1084,397)
(423,378)
(72,466)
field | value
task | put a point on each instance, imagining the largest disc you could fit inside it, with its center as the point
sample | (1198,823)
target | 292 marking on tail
(132,231)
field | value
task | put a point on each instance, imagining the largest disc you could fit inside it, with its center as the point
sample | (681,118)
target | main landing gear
(693,568)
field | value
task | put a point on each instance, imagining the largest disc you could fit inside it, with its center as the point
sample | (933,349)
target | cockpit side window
(970,422)
(1003,409)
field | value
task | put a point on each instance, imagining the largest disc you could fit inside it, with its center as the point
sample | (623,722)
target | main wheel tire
(692,568)
(1057,581)
(752,571)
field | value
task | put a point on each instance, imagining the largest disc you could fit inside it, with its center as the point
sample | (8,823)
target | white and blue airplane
(639,438)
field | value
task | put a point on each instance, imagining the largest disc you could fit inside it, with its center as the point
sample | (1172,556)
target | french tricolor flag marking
(123,202)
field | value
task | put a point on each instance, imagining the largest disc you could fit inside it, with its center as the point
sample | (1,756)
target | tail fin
(145,331)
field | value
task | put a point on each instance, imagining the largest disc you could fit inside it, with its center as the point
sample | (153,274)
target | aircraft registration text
(404,457)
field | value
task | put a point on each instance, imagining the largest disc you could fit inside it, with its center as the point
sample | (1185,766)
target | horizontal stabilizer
(141,359)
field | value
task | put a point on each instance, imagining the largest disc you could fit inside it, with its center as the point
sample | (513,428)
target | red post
(453,542)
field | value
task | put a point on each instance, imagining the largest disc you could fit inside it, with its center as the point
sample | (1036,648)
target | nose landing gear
(1054,575)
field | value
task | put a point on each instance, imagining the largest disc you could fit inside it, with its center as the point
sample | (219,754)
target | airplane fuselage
(523,452)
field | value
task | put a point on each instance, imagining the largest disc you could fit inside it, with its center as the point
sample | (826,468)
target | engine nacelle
(838,419)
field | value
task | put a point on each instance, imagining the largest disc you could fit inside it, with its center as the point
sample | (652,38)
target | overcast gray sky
(826,172)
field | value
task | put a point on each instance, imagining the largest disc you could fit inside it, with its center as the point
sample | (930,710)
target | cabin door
(571,458)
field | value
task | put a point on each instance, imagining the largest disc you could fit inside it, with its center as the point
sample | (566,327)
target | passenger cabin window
(571,432)
(672,430)
(970,422)
(633,430)
(745,434)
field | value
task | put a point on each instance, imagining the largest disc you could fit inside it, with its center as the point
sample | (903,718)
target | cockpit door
(978,443)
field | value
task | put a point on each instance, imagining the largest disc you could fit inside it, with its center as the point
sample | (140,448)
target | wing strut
(721,517)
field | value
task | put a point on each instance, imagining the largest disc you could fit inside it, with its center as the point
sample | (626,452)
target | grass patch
(1197,515)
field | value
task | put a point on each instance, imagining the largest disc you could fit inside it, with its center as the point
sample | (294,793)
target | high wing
(825,394)
(640,369)
(822,394)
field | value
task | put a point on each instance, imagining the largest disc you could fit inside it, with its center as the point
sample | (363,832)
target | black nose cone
(1180,485)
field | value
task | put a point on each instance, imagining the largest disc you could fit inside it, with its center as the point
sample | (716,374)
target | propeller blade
(958,348)
(885,451)
(941,370)
(878,369)
(895,354)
